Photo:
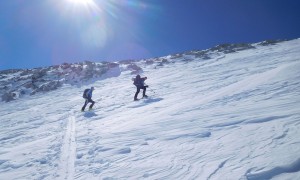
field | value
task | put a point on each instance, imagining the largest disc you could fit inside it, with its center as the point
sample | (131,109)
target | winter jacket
(139,82)
(87,94)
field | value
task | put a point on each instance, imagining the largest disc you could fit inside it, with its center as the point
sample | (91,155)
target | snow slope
(236,116)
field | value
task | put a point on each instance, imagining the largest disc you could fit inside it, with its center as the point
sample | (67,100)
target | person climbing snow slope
(140,84)
(87,95)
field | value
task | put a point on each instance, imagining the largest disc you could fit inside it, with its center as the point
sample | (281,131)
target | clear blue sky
(36,33)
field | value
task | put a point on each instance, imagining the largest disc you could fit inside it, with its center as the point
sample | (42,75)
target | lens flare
(95,35)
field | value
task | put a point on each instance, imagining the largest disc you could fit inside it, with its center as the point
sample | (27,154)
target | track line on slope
(68,151)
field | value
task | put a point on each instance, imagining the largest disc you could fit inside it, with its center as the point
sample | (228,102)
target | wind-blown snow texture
(235,115)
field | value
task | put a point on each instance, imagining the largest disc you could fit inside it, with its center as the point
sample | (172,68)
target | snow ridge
(269,174)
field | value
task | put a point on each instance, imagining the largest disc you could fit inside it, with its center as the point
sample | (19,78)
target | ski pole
(152,90)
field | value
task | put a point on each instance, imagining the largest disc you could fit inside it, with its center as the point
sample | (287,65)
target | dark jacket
(87,94)
(139,82)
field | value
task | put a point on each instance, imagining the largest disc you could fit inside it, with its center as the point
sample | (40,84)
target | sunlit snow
(236,116)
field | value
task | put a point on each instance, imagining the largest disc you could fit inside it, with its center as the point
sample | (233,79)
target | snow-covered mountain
(16,83)
(229,112)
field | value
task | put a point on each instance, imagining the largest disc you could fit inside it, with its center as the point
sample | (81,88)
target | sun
(83,5)
(81,2)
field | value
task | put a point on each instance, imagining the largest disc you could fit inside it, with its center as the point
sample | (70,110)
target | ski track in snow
(68,150)
(235,116)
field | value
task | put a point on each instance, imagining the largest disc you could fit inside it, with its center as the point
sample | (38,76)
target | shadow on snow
(89,114)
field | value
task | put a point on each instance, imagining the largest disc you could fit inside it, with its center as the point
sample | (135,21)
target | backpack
(135,81)
(84,93)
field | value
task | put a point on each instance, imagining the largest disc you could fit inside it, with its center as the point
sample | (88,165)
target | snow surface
(236,116)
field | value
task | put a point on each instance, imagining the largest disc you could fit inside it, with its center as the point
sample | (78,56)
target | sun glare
(96,21)
(81,2)
(83,5)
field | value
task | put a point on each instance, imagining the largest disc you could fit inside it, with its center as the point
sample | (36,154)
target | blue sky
(35,33)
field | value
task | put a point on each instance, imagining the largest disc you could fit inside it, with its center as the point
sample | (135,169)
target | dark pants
(138,91)
(86,102)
